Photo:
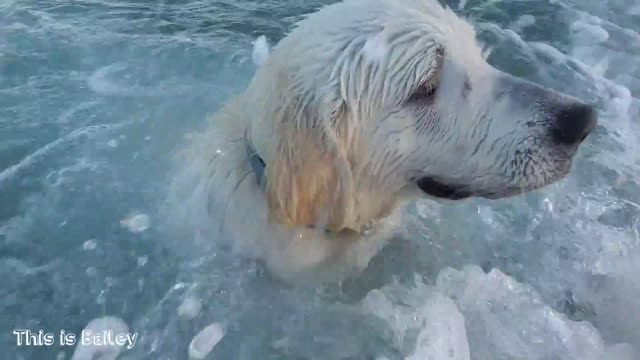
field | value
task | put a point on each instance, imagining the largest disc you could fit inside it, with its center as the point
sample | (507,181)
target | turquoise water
(96,95)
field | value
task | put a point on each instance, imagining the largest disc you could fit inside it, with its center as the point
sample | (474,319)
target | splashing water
(96,97)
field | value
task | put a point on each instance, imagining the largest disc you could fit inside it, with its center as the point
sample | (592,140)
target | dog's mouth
(435,188)
(449,191)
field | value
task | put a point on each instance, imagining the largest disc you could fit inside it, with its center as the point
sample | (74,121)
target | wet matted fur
(364,107)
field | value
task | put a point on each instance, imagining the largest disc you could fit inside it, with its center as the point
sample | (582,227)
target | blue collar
(257,164)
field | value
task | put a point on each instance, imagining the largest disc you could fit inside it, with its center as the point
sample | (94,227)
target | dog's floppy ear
(309,181)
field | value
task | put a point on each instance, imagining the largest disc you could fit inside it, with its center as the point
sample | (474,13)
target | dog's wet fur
(366,106)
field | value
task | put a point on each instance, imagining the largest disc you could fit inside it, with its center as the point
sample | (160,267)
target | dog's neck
(259,167)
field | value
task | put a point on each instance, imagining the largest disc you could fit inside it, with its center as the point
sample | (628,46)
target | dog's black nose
(574,123)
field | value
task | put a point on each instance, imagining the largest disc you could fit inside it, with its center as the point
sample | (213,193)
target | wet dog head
(367,98)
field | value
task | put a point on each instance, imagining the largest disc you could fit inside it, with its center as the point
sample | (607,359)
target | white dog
(365,106)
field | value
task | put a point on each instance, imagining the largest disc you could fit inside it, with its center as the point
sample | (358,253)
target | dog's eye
(425,92)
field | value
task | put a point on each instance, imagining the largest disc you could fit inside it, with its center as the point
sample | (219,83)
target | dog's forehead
(383,28)
(402,21)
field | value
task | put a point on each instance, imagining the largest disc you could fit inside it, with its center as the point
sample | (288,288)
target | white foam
(428,209)
(260,52)
(589,33)
(439,324)
(619,352)
(190,308)
(443,336)
(90,244)
(107,81)
(101,83)
(523,22)
(136,222)
(67,115)
(510,318)
(204,342)
(91,271)
(103,352)
(142,261)
(113,143)
(16,26)
(31,159)
(549,51)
